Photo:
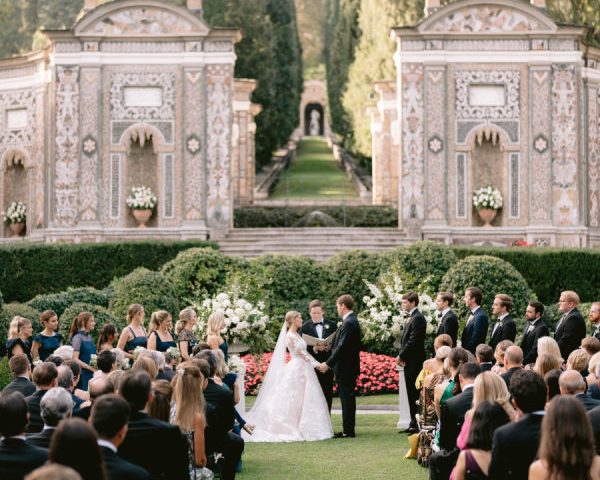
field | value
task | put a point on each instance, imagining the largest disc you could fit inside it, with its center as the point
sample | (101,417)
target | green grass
(386,399)
(376,453)
(314,175)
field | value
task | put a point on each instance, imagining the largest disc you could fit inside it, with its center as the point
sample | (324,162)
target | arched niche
(15,168)
(314,119)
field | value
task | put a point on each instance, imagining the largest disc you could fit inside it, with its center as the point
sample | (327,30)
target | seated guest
(434,364)
(21,371)
(67,381)
(499,356)
(152,444)
(75,444)
(550,346)
(551,381)
(17,456)
(592,379)
(102,387)
(55,406)
(106,362)
(115,377)
(109,418)
(591,345)
(159,360)
(546,363)
(475,459)
(160,405)
(566,429)
(578,360)
(535,329)
(44,377)
(484,354)
(572,383)
(147,364)
(171,362)
(76,369)
(515,445)
(447,389)
(49,339)
(53,472)
(513,362)
(594,415)
(199,348)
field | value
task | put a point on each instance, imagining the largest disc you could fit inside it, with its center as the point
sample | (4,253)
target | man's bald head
(100,386)
(513,357)
(571,382)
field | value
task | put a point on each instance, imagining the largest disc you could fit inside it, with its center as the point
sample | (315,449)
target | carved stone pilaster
(386,136)
(593,148)
(436,138)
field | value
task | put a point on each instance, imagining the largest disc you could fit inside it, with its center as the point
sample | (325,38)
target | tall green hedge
(30,270)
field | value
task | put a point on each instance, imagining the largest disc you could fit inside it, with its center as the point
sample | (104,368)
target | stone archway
(314,120)
(314,94)
(15,166)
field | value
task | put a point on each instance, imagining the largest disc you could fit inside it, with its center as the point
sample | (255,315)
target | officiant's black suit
(325,379)
(345,362)
(571,330)
(412,353)
(507,330)
(530,340)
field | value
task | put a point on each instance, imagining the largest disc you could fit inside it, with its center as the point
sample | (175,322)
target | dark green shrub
(151,289)
(30,269)
(5,373)
(1,300)
(101,314)
(59,302)
(492,275)
(10,310)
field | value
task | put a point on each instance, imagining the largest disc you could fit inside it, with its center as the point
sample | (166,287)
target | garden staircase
(319,243)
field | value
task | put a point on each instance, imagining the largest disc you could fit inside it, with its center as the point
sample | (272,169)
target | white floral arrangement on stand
(487,197)
(15,213)
(236,365)
(141,198)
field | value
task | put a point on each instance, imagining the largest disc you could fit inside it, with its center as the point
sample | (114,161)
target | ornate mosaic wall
(593,146)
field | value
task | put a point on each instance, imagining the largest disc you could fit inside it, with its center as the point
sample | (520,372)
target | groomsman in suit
(448,320)
(345,362)
(21,371)
(536,328)
(571,328)
(412,352)
(594,319)
(319,327)
(477,324)
(505,327)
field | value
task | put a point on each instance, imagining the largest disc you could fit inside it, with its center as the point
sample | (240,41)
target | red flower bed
(377,373)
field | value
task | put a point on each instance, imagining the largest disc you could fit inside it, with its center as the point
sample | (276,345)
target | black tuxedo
(325,379)
(530,340)
(84,413)
(506,331)
(156,446)
(571,330)
(506,376)
(18,458)
(475,331)
(594,415)
(486,366)
(515,447)
(588,402)
(412,352)
(345,362)
(35,417)
(41,439)
(449,326)
(20,384)
(119,469)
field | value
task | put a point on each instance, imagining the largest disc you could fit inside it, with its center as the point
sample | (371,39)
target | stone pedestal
(404,411)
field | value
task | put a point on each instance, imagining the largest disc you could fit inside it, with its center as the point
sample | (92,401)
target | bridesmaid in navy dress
(19,332)
(83,346)
(160,331)
(216,322)
(185,336)
(49,339)
(134,334)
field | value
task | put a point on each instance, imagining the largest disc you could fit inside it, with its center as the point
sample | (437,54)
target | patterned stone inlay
(115,185)
(142,21)
(193,157)
(540,144)
(593,160)
(461,185)
(23,100)
(118,83)
(509,78)
(489,18)
(436,130)
(514,185)
(169,185)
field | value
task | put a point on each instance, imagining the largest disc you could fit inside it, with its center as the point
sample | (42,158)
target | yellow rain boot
(413,443)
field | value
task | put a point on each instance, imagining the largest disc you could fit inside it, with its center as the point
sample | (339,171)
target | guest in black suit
(505,327)
(515,445)
(572,383)
(101,386)
(484,354)
(571,328)
(345,362)
(66,380)
(595,319)
(536,328)
(412,352)
(55,407)
(151,444)
(319,327)
(44,377)
(17,456)
(452,416)
(21,371)
(109,418)
(513,362)
(594,415)
(448,320)
(477,324)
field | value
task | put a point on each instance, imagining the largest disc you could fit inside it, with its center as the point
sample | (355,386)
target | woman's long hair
(487,417)
(215,323)
(456,358)
(188,396)
(567,443)
(15,326)
(185,318)
(108,330)
(75,444)
(160,407)
(79,322)
(132,311)
(491,387)
(157,319)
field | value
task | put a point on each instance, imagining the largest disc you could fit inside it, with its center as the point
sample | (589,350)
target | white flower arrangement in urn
(487,200)
(15,217)
(142,201)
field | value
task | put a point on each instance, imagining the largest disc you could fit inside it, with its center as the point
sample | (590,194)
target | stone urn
(142,216)
(17,228)
(487,215)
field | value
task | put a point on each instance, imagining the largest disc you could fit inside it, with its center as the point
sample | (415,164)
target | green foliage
(1,301)
(59,302)
(30,270)
(198,272)
(101,316)
(11,310)
(5,373)
(150,289)
(311,29)
(492,275)
(347,216)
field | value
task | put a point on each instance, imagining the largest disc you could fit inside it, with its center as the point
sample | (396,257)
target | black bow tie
(318,323)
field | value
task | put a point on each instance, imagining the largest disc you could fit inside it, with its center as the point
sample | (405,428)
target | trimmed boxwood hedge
(30,270)
(60,301)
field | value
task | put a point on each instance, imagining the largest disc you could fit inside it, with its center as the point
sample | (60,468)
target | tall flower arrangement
(487,197)
(141,198)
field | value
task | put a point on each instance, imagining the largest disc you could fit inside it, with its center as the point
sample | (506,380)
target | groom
(345,362)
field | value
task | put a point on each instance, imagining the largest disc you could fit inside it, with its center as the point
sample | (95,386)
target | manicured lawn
(386,399)
(314,175)
(376,453)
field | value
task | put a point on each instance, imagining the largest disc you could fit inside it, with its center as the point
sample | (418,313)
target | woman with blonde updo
(183,329)
(160,338)
(134,335)
(19,332)
(216,323)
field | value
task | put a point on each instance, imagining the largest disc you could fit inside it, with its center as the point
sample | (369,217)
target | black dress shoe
(344,435)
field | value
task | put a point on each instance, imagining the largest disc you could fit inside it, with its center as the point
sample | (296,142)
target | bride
(290,406)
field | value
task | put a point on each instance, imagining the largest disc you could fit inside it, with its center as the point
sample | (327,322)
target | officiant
(321,328)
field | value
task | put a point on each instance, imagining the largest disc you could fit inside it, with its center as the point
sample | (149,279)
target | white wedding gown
(290,406)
